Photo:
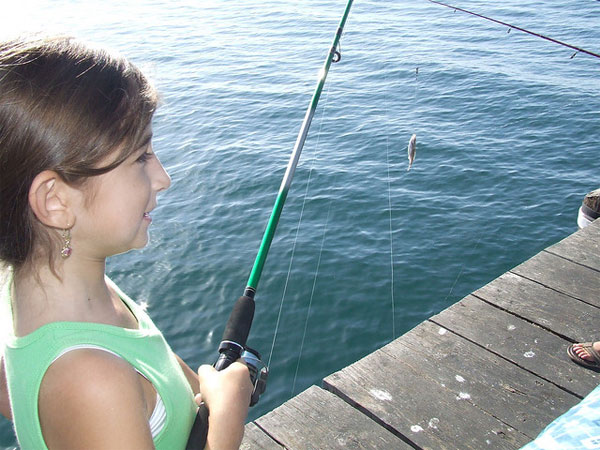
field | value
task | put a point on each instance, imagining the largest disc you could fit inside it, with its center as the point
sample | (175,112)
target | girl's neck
(79,295)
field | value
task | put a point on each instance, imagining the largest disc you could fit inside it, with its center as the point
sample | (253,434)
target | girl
(85,366)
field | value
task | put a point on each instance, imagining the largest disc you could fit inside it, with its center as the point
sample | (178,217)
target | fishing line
(287,278)
(316,275)
(556,41)
(461,271)
(391,238)
(312,293)
(416,85)
(389,181)
(390,206)
(313,163)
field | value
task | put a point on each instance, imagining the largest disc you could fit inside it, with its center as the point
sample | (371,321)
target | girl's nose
(161,179)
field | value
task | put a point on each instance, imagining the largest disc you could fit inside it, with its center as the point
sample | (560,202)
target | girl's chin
(143,243)
(138,244)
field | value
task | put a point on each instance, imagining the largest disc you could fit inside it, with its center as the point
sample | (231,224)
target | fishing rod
(556,41)
(233,344)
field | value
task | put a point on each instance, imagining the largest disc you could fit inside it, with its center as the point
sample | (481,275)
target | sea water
(507,147)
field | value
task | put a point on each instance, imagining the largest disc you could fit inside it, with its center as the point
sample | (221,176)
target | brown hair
(64,107)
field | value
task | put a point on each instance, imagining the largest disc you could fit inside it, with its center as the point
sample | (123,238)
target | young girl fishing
(84,365)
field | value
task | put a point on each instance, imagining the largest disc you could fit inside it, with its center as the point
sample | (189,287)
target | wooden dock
(491,371)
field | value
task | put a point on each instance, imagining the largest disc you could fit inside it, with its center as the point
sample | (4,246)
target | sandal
(588,347)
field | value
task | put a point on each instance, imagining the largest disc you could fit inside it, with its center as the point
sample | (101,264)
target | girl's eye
(144,157)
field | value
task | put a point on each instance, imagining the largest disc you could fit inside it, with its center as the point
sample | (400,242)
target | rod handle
(239,323)
(199,431)
(231,348)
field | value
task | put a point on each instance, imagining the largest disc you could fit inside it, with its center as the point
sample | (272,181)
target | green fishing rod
(233,344)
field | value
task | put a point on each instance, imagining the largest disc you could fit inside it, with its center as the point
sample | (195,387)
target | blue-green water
(507,146)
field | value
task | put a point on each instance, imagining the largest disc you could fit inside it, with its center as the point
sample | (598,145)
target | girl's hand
(226,394)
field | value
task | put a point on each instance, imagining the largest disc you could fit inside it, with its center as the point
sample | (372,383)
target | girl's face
(116,215)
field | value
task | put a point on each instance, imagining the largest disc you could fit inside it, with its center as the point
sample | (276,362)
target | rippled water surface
(507,146)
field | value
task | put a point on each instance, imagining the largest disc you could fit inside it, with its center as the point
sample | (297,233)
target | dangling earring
(66,250)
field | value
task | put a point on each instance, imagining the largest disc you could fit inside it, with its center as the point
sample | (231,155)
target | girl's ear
(50,199)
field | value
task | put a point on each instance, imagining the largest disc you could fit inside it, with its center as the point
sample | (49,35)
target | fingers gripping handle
(231,348)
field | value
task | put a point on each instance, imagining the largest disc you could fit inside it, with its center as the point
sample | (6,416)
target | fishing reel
(259,373)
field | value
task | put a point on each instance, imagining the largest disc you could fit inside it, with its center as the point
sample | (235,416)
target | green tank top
(28,357)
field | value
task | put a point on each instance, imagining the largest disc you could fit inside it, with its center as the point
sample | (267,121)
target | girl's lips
(147,216)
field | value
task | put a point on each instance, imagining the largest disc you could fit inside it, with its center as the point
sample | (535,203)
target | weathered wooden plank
(317,419)
(521,342)
(512,395)
(582,247)
(412,389)
(257,439)
(560,313)
(562,275)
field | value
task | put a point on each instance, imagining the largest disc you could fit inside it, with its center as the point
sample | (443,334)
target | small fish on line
(412,150)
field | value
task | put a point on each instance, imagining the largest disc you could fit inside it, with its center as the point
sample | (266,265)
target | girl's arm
(191,376)
(227,396)
(94,400)
(4,401)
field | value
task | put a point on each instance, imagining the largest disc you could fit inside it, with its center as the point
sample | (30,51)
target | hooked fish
(412,150)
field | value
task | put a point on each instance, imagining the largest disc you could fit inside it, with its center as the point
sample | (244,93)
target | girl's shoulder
(93,397)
